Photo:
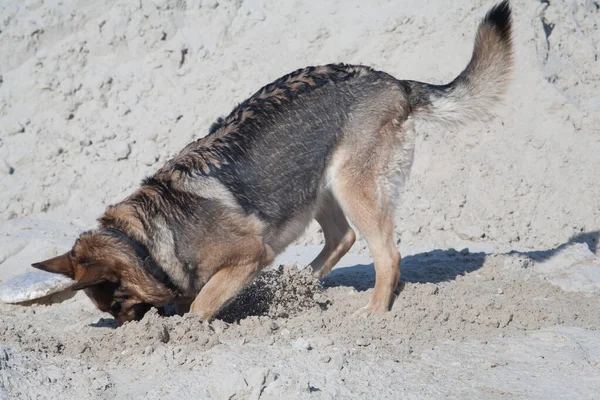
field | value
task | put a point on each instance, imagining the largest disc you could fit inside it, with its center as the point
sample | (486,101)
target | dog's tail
(470,96)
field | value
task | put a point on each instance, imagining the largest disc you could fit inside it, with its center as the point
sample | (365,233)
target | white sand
(96,95)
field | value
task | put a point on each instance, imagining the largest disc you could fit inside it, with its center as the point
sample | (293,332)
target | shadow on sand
(442,265)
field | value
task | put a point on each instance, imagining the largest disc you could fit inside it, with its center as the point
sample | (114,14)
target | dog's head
(107,270)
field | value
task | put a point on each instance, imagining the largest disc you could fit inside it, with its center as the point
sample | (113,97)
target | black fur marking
(500,17)
(84,260)
(216,125)
(181,168)
(150,181)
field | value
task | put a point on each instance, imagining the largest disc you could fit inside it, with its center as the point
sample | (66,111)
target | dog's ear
(92,276)
(60,265)
(86,284)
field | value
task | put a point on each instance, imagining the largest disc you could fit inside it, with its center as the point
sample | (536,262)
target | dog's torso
(265,169)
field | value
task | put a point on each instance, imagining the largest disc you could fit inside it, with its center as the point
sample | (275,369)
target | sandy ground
(498,225)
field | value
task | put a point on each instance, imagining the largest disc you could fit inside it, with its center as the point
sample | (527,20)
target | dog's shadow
(442,265)
(104,323)
(433,266)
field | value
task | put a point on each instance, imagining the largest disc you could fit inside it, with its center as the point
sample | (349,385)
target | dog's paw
(316,272)
(363,312)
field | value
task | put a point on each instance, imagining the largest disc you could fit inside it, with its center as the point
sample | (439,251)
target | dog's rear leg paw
(363,312)
(317,273)
(198,318)
(370,310)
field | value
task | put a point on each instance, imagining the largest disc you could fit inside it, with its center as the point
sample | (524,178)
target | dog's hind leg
(339,237)
(371,211)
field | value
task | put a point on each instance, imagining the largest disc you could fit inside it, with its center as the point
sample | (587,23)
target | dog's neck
(146,261)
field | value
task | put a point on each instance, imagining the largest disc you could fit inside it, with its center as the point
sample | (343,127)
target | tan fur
(226,282)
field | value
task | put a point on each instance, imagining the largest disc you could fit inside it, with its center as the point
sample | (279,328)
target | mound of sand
(502,325)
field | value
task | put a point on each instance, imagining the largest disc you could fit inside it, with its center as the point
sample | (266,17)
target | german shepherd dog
(327,143)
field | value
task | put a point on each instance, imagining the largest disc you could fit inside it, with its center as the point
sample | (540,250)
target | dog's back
(273,150)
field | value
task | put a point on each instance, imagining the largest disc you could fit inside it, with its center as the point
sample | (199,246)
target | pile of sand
(502,316)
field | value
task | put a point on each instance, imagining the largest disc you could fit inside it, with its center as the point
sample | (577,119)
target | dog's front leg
(222,288)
